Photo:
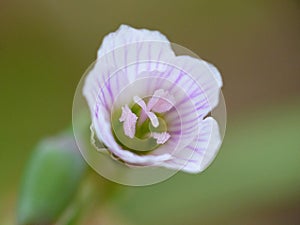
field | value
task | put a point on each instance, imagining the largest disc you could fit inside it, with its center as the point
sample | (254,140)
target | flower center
(142,126)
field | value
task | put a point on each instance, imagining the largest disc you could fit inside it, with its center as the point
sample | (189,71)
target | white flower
(150,107)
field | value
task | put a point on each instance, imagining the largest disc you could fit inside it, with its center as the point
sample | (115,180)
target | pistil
(140,128)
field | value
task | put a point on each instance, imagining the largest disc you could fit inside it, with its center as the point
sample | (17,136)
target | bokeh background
(45,47)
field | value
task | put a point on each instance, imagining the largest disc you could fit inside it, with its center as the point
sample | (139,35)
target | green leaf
(50,180)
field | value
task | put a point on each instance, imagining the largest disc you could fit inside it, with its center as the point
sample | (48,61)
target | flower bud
(50,180)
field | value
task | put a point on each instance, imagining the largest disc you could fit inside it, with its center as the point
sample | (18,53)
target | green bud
(50,180)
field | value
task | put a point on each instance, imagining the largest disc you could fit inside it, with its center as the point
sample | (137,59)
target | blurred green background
(45,47)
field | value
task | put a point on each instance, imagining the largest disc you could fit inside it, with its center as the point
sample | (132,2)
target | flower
(150,107)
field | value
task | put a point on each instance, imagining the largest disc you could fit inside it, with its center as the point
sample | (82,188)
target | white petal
(130,50)
(216,73)
(199,154)
(122,58)
(126,156)
(126,35)
(198,79)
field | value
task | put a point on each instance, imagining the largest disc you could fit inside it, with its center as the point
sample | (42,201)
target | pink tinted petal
(134,50)
(199,154)
(183,120)
(103,132)
(161,101)
(216,73)
(129,119)
(205,89)
(99,85)
(102,117)
(126,35)
(161,138)
(127,156)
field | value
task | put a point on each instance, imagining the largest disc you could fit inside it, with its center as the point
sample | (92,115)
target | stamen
(129,119)
(161,101)
(161,138)
(153,118)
